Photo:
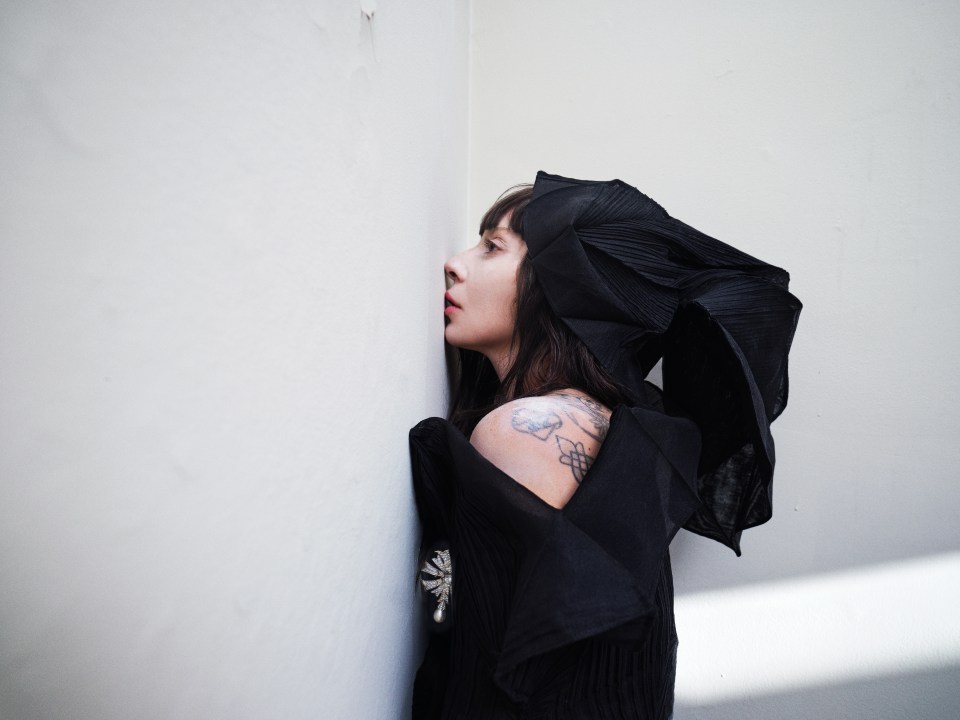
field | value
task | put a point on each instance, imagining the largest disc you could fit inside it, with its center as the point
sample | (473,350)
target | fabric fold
(636,286)
(591,570)
(596,575)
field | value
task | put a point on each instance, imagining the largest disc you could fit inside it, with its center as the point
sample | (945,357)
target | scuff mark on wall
(368,9)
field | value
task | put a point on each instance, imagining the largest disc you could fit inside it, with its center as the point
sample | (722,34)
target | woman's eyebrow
(501,232)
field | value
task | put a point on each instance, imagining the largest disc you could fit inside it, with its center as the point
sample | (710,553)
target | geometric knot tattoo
(574,455)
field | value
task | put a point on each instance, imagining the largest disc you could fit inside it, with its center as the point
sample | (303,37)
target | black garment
(636,285)
(556,613)
(569,613)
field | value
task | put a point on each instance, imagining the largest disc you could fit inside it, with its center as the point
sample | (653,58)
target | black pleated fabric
(637,285)
(556,613)
(568,614)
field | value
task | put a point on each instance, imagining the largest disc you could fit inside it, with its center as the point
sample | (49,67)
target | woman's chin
(457,340)
(450,335)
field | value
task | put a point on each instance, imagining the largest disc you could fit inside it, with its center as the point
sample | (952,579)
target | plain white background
(222,228)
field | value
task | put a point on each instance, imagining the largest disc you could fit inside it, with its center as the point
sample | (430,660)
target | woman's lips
(449,305)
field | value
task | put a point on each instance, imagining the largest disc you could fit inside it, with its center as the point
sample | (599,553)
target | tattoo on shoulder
(595,416)
(535,422)
(575,456)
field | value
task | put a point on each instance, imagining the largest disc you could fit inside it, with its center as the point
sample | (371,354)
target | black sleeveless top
(556,613)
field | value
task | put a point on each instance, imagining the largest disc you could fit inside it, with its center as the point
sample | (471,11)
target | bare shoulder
(545,443)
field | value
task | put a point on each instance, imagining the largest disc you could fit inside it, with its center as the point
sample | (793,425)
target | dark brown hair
(548,355)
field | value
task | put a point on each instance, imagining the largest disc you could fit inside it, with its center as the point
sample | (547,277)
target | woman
(545,534)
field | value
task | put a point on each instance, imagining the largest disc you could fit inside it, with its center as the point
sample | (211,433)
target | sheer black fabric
(556,613)
(636,285)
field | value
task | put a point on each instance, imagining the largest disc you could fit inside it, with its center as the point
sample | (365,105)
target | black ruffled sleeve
(637,285)
(596,573)
(538,588)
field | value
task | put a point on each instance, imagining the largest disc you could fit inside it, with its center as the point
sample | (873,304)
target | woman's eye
(489,246)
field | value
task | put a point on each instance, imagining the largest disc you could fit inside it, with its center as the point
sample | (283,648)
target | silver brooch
(436,576)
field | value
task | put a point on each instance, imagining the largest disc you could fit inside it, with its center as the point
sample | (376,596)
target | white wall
(823,137)
(222,228)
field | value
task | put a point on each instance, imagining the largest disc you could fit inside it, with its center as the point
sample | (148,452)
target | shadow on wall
(928,695)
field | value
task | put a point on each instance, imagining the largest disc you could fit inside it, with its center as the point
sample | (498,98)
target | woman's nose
(453,269)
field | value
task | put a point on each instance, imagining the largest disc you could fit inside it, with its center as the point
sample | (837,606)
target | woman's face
(481,302)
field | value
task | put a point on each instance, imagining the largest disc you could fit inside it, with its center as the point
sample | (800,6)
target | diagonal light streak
(760,639)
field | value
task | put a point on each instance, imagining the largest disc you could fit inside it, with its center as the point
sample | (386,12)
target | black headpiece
(636,285)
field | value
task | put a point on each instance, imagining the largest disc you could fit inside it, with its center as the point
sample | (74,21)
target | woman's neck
(502,362)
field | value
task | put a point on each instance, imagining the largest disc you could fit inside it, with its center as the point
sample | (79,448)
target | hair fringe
(548,357)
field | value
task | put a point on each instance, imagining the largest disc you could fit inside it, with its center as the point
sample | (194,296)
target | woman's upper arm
(540,443)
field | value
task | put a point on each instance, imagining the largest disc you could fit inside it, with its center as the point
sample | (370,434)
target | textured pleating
(637,285)
(556,613)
